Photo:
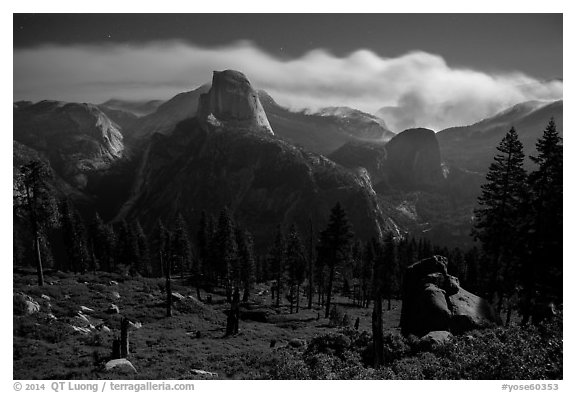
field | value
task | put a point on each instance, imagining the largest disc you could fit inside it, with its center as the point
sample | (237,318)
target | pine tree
(295,265)
(356,271)
(378,277)
(366,274)
(126,246)
(32,197)
(161,243)
(74,231)
(335,242)
(545,224)
(181,247)
(142,262)
(102,242)
(203,239)
(501,208)
(390,270)
(311,259)
(247,264)
(225,250)
(278,261)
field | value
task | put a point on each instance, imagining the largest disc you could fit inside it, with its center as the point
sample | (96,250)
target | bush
(333,344)
(528,353)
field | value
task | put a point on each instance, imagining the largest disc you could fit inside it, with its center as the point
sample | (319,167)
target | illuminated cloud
(419,88)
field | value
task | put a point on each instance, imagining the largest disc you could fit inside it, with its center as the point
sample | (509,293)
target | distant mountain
(122,118)
(167,115)
(226,156)
(422,194)
(76,139)
(410,160)
(325,131)
(136,107)
(473,147)
(357,123)
(321,132)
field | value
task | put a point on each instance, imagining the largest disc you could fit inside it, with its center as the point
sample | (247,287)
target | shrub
(333,344)
(528,353)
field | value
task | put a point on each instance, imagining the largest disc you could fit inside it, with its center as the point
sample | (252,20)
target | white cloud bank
(422,89)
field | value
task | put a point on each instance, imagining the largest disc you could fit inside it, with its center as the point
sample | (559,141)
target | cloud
(416,89)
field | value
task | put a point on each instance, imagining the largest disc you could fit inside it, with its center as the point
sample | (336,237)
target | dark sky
(531,43)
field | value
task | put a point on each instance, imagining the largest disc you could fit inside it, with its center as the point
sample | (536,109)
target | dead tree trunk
(124,338)
(39,270)
(168,288)
(116,349)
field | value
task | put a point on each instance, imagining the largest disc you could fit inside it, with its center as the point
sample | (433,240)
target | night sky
(531,43)
(431,70)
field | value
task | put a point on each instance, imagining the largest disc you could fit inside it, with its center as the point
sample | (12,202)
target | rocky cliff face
(414,158)
(232,102)
(408,161)
(77,139)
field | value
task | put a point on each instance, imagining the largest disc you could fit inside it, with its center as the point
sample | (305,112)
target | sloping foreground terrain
(66,332)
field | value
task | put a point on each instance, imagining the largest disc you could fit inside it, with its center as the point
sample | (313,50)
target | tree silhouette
(334,248)
(278,261)
(33,197)
(246,263)
(545,223)
(501,206)
(74,232)
(295,265)
(225,250)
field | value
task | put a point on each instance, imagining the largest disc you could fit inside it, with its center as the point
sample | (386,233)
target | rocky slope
(473,147)
(76,139)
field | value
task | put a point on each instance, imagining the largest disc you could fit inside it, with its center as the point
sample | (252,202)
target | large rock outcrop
(232,102)
(413,159)
(433,301)
(409,161)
